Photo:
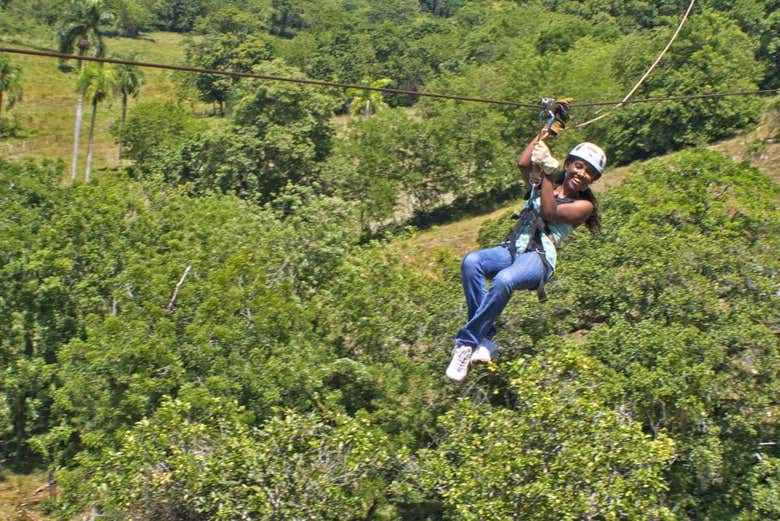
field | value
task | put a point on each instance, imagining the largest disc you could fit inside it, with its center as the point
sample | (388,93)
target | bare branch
(170,308)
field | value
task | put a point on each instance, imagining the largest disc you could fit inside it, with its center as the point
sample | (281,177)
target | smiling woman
(527,257)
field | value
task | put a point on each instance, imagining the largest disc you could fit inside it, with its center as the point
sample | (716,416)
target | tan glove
(562,113)
(542,158)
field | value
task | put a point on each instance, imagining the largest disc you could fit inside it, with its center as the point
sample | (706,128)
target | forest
(222,318)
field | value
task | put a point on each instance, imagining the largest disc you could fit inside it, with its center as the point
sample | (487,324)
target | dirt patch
(21,496)
(761,147)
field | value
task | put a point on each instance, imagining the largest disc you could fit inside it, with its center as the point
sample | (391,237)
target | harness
(530,216)
(552,120)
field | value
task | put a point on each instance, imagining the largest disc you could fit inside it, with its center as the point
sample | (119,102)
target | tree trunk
(77,131)
(76,136)
(91,138)
(122,126)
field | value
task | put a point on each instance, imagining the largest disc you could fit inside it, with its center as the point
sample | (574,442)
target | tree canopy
(231,325)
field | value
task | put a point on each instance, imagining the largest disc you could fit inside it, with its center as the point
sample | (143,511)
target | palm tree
(10,83)
(364,99)
(80,31)
(96,82)
(129,81)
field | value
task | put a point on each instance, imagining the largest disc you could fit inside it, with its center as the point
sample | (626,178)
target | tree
(286,17)
(97,82)
(129,81)
(80,31)
(178,15)
(32,325)
(132,16)
(363,100)
(236,42)
(770,50)
(711,55)
(443,8)
(559,452)
(295,466)
(10,83)
(154,128)
(224,51)
(277,133)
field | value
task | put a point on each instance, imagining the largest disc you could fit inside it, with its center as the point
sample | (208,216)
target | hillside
(760,147)
(46,114)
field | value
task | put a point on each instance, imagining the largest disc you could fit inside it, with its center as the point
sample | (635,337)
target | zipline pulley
(554,115)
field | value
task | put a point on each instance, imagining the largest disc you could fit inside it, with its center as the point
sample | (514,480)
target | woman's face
(579,175)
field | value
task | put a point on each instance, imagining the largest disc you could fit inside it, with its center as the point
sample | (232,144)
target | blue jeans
(484,306)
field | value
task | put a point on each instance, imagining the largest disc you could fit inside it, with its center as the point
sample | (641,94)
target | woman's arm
(574,213)
(524,161)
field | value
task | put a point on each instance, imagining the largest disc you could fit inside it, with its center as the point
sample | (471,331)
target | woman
(562,207)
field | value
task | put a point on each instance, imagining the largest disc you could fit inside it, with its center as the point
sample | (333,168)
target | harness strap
(530,216)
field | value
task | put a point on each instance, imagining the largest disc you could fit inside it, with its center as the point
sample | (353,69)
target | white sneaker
(485,352)
(459,365)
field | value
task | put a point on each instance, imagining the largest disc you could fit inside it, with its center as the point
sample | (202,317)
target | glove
(543,159)
(562,114)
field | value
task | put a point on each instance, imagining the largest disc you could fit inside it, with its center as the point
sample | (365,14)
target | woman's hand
(542,157)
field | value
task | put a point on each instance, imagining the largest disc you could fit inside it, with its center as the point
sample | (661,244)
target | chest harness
(530,217)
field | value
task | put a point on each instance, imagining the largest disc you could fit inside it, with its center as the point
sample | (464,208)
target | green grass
(47,112)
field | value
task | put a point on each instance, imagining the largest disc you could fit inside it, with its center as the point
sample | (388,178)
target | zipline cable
(646,74)
(681,97)
(324,83)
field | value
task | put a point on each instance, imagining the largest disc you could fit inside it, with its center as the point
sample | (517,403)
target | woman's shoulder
(585,195)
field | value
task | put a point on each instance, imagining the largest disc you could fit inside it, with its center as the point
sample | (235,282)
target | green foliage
(97,82)
(10,83)
(367,101)
(81,27)
(231,46)
(770,50)
(131,16)
(34,320)
(178,15)
(130,78)
(278,135)
(713,55)
(176,351)
(187,459)
(153,129)
(23,16)
(443,8)
(393,162)
(560,453)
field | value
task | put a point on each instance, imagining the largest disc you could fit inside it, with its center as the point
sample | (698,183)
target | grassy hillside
(48,109)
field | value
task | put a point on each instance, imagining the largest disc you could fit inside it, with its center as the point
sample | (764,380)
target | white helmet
(591,154)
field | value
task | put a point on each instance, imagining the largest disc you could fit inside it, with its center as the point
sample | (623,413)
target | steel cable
(325,83)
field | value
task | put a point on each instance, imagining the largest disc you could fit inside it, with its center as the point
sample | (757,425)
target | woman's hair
(593,222)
